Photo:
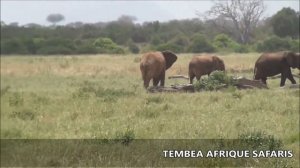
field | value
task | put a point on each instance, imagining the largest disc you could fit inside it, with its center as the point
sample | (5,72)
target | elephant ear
(292,59)
(170,58)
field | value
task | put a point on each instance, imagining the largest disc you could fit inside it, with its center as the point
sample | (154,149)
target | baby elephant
(204,65)
(270,64)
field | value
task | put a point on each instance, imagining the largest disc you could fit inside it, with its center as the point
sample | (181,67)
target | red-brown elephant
(204,65)
(270,64)
(153,66)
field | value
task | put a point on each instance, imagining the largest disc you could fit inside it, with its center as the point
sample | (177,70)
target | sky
(88,11)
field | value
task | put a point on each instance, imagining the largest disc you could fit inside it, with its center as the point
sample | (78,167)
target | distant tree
(223,41)
(244,15)
(32,25)
(3,23)
(75,24)
(120,31)
(133,48)
(273,43)
(286,23)
(55,18)
(14,24)
(106,45)
(127,19)
(200,44)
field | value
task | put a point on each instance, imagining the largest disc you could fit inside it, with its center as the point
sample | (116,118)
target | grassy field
(102,97)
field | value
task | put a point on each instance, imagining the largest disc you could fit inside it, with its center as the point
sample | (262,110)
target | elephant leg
(290,77)
(191,75)
(283,79)
(162,79)
(146,82)
(264,80)
(191,79)
(198,77)
(155,81)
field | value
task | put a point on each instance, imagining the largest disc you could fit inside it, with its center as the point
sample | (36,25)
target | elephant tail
(144,69)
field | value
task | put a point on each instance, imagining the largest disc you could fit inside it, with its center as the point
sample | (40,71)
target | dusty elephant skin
(270,64)
(154,65)
(204,65)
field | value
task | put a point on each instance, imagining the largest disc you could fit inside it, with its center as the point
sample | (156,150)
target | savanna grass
(102,97)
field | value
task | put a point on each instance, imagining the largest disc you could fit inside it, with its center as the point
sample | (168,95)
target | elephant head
(219,64)
(170,58)
(293,59)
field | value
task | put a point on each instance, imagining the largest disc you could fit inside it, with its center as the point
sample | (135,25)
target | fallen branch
(243,83)
(178,76)
(173,88)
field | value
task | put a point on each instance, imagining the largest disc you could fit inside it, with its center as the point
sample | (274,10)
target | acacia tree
(244,14)
(54,18)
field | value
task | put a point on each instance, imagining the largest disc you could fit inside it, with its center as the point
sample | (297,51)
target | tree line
(278,32)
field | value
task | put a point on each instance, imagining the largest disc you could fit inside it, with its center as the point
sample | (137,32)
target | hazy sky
(28,11)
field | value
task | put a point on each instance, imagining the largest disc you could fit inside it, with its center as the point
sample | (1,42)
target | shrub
(59,42)
(222,41)
(49,50)
(30,46)
(216,80)
(200,44)
(295,45)
(4,90)
(133,48)
(155,40)
(272,44)
(125,137)
(16,99)
(169,46)
(106,45)
(25,114)
(241,48)
(86,49)
(13,46)
(261,141)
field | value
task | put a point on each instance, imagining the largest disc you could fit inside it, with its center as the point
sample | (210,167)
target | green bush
(170,46)
(59,42)
(86,49)
(106,45)
(125,137)
(133,48)
(49,50)
(295,45)
(222,41)
(181,41)
(216,80)
(200,44)
(155,40)
(274,43)
(13,46)
(241,49)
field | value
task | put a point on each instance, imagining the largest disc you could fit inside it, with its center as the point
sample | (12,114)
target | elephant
(204,65)
(153,66)
(270,64)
